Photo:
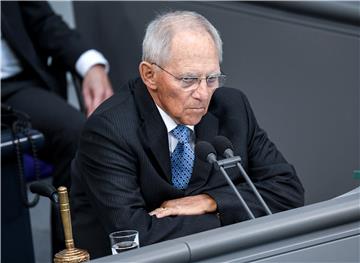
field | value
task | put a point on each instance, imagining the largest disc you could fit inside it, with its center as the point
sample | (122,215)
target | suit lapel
(152,132)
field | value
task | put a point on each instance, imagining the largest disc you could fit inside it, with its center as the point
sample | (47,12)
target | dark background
(297,62)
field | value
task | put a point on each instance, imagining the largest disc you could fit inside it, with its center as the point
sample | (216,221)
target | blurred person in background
(37,48)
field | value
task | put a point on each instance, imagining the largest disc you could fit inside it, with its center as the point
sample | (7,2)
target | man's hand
(189,205)
(96,88)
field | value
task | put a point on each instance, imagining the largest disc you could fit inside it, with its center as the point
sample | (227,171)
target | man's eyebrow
(214,74)
(193,74)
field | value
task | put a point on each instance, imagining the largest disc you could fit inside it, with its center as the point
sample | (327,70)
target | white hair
(159,33)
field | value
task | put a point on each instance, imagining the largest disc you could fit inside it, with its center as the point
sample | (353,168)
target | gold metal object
(70,254)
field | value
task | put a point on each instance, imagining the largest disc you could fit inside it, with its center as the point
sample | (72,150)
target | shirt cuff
(88,59)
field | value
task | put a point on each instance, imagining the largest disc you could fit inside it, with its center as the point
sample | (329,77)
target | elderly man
(135,167)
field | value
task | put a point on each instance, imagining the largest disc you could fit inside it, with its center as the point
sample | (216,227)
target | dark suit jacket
(36,33)
(122,170)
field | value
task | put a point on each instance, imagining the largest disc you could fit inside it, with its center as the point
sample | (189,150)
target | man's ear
(148,75)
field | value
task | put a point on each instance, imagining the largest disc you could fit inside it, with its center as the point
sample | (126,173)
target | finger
(95,97)
(89,112)
(98,95)
(156,211)
(163,212)
(87,98)
(109,92)
(152,213)
(167,211)
(90,109)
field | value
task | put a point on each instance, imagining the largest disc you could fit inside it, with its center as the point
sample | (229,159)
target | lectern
(325,231)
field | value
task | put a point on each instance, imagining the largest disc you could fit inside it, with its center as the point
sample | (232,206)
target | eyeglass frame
(198,79)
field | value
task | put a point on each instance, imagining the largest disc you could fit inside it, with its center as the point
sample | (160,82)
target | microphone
(224,147)
(46,190)
(206,152)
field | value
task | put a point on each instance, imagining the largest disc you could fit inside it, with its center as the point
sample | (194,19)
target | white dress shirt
(170,125)
(10,65)
(88,59)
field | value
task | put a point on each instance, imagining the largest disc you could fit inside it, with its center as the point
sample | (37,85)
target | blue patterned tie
(182,158)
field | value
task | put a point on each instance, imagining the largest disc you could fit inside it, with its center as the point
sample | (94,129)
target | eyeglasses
(189,82)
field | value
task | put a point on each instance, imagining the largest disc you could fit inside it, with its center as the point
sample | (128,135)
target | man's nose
(202,90)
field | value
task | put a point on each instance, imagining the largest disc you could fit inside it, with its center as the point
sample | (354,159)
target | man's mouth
(199,109)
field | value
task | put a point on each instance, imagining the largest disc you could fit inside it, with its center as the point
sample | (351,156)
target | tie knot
(182,133)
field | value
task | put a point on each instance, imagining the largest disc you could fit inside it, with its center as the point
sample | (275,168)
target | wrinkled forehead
(192,45)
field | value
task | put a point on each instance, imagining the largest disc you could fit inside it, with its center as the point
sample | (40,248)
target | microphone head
(44,189)
(223,146)
(205,151)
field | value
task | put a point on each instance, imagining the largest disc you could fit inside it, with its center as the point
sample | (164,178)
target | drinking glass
(123,241)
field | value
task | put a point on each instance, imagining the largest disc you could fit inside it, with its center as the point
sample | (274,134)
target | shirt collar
(169,122)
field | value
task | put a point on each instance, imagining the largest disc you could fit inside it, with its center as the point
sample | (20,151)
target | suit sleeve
(273,176)
(50,34)
(108,170)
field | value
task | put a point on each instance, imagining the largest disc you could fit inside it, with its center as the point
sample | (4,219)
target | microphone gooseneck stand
(224,146)
(206,152)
